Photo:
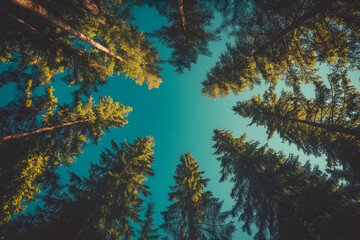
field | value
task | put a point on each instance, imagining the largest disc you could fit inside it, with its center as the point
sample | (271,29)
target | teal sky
(178,117)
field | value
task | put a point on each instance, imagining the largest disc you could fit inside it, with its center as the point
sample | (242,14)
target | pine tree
(147,230)
(35,37)
(284,199)
(328,124)
(286,46)
(186,34)
(195,213)
(42,135)
(103,206)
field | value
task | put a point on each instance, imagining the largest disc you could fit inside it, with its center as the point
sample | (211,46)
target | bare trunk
(42,12)
(39,130)
(182,14)
(338,129)
(32,28)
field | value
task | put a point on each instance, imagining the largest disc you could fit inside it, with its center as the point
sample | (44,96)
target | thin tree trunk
(39,130)
(338,129)
(32,28)
(91,6)
(317,9)
(94,9)
(191,223)
(182,14)
(42,12)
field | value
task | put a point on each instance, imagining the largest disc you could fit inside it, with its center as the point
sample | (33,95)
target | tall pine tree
(285,41)
(38,134)
(327,124)
(283,198)
(76,40)
(147,230)
(187,34)
(103,206)
(195,213)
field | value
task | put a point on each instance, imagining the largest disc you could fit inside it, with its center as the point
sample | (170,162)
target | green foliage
(284,199)
(32,42)
(54,135)
(287,46)
(327,124)
(103,206)
(186,33)
(195,213)
(147,230)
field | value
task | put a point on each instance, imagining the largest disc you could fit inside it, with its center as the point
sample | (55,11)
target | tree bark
(39,130)
(182,14)
(91,6)
(34,7)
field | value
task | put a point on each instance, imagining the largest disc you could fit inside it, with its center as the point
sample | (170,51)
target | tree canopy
(77,46)
(103,206)
(287,46)
(87,47)
(38,134)
(282,197)
(327,124)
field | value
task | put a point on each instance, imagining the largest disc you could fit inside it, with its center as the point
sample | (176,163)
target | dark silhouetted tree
(195,213)
(187,34)
(327,124)
(147,230)
(103,206)
(286,41)
(283,198)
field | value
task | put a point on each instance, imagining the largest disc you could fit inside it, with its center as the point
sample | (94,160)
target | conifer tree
(35,37)
(147,230)
(38,134)
(285,41)
(195,213)
(103,206)
(327,124)
(284,199)
(186,33)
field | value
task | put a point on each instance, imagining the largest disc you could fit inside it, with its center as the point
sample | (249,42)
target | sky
(179,118)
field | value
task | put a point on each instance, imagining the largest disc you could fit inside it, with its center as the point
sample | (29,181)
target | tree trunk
(94,9)
(39,130)
(191,223)
(42,12)
(338,129)
(91,6)
(317,9)
(182,14)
